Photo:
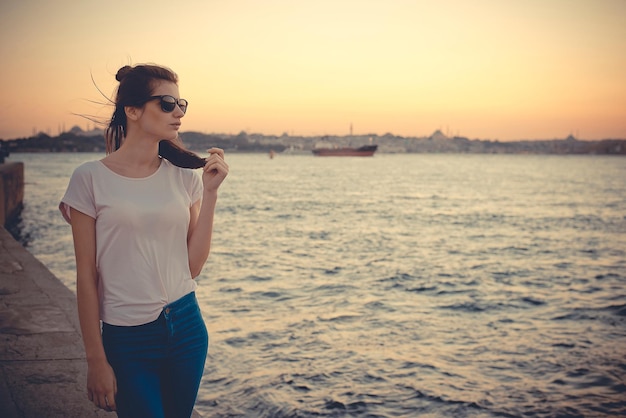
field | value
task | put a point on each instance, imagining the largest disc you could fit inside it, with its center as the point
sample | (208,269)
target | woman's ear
(132,112)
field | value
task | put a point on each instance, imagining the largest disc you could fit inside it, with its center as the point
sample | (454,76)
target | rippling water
(401,285)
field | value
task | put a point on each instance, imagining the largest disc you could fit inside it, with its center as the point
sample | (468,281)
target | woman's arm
(101,384)
(201,222)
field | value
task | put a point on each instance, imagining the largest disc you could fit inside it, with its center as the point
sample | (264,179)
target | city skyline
(485,69)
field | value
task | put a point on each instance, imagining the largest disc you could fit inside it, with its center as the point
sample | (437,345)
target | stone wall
(11,191)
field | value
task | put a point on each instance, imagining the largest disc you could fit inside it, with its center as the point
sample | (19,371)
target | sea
(401,285)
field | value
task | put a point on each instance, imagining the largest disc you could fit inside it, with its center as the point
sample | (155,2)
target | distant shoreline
(77,140)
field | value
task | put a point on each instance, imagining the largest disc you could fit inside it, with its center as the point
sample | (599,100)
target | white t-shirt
(141,236)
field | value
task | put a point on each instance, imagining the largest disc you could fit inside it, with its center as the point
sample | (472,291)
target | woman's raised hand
(215,170)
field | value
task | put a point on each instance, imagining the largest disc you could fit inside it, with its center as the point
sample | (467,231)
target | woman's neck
(137,157)
(139,152)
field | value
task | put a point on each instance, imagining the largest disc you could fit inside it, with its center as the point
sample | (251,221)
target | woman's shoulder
(88,167)
(183,172)
(190,179)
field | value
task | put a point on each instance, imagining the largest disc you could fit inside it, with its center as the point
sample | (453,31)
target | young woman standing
(142,231)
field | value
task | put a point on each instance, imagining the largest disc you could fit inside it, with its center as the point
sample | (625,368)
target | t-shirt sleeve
(79,194)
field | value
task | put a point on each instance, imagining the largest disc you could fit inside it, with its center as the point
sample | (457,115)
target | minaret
(350,128)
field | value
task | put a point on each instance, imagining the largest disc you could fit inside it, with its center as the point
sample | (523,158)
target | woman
(142,232)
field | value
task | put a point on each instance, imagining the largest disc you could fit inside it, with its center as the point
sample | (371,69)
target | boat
(364,151)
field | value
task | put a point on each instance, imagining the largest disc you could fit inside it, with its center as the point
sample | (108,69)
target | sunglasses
(168,103)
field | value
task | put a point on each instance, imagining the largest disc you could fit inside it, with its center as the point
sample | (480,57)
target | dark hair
(179,156)
(136,86)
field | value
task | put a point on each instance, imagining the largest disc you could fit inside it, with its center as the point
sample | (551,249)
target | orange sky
(489,69)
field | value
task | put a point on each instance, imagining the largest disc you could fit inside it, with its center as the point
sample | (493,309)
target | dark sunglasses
(168,103)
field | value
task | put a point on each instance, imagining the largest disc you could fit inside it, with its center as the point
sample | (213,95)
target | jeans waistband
(180,304)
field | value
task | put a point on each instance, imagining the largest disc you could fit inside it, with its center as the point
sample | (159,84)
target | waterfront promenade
(42,364)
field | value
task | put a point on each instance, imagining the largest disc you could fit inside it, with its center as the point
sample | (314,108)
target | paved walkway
(42,363)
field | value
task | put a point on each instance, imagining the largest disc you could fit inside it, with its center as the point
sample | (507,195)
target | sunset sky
(488,69)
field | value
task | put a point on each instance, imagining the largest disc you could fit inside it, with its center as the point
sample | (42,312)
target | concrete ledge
(43,371)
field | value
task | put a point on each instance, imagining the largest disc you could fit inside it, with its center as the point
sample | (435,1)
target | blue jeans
(159,365)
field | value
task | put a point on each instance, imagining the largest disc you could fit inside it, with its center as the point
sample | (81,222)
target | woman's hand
(101,385)
(215,170)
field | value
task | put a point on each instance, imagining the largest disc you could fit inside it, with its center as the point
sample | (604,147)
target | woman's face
(156,122)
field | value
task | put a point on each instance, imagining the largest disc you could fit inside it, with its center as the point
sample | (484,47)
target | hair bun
(123,72)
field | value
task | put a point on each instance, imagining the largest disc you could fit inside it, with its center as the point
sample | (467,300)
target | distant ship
(364,151)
